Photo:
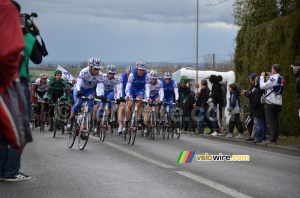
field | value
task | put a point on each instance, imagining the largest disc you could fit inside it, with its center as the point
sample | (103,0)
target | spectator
(296,71)
(189,105)
(235,111)
(258,112)
(224,128)
(251,124)
(31,52)
(14,124)
(217,100)
(273,89)
(202,104)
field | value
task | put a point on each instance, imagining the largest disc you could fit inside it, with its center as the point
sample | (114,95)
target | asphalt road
(149,169)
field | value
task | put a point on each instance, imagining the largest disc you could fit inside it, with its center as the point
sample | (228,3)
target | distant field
(36,73)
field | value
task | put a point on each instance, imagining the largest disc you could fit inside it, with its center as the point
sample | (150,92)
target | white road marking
(135,154)
(219,187)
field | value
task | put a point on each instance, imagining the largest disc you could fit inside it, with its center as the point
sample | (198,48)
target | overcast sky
(132,30)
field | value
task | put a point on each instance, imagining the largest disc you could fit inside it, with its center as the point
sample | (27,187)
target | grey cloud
(168,11)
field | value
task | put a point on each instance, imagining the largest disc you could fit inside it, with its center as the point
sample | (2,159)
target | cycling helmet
(153,75)
(184,79)
(111,69)
(57,72)
(167,75)
(128,69)
(95,62)
(44,75)
(140,65)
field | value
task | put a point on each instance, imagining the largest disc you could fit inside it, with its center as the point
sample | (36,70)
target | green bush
(258,48)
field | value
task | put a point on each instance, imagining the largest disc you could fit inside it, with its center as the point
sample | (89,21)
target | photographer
(14,124)
(33,51)
(273,100)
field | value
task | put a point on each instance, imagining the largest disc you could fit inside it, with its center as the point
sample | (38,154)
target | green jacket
(185,91)
(29,43)
(57,88)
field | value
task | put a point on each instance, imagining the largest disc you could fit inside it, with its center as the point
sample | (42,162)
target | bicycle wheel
(103,131)
(178,132)
(142,129)
(72,134)
(100,131)
(152,122)
(133,134)
(32,120)
(54,127)
(84,135)
(62,128)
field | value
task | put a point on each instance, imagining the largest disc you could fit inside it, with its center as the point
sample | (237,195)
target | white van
(228,78)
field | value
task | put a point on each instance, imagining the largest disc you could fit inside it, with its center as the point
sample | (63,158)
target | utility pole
(197,42)
(214,62)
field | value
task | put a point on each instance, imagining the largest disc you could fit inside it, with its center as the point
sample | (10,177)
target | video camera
(27,24)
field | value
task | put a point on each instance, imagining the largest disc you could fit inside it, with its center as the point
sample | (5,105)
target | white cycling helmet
(167,75)
(140,65)
(95,62)
(153,75)
(128,69)
(44,75)
(111,69)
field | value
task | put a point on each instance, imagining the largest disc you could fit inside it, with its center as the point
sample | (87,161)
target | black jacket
(217,94)
(189,105)
(257,107)
(248,94)
(203,97)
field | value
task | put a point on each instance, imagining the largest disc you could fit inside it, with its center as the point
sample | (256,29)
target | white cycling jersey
(42,86)
(157,89)
(87,80)
(108,85)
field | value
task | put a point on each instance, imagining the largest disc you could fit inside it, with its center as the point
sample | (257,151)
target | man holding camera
(273,100)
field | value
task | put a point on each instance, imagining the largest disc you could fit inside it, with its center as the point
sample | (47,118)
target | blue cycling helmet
(95,62)
(167,75)
(153,75)
(128,69)
(140,65)
(111,69)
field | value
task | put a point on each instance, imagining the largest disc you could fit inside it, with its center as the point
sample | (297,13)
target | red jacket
(11,41)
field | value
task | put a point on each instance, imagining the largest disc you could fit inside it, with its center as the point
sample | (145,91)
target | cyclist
(156,95)
(106,91)
(86,81)
(170,87)
(137,87)
(40,91)
(121,95)
(183,91)
(57,88)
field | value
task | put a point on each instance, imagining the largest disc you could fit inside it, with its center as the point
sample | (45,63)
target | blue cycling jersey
(136,82)
(123,82)
(169,88)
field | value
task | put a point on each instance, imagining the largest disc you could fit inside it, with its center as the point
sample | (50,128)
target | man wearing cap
(296,71)
(273,100)
(251,124)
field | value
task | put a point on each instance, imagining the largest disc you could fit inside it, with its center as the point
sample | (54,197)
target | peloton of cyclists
(121,95)
(137,86)
(106,90)
(40,92)
(156,95)
(86,81)
(57,88)
(170,88)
